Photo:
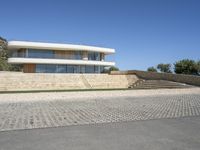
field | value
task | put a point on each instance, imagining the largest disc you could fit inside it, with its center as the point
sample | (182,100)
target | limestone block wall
(17,81)
(109,81)
(188,79)
(31,81)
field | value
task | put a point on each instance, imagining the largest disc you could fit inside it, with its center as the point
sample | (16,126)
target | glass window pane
(97,56)
(40,53)
(77,55)
(70,69)
(50,68)
(82,69)
(61,69)
(76,69)
(89,69)
(97,69)
(40,68)
(101,69)
(93,56)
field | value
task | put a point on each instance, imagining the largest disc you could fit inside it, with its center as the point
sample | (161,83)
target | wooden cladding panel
(64,54)
(29,68)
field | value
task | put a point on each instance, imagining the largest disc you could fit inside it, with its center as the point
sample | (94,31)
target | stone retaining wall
(188,79)
(17,81)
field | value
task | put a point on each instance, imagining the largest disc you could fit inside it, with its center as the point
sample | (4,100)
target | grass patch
(65,90)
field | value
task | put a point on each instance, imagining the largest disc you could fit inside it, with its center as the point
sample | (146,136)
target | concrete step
(156,84)
(159,87)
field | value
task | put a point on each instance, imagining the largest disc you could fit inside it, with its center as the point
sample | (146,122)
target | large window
(70,69)
(89,69)
(45,68)
(93,56)
(61,69)
(51,68)
(77,55)
(97,69)
(32,53)
(82,69)
(40,68)
(40,53)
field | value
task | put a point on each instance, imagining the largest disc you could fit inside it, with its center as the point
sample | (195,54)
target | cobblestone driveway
(40,114)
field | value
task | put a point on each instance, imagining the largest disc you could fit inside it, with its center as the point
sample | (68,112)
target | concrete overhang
(13,45)
(58,61)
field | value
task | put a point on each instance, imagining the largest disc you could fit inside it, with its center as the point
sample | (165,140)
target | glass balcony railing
(55,56)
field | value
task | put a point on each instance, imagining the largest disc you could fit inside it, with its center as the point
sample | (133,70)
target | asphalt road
(161,134)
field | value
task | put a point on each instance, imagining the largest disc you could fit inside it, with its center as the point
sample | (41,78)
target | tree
(4,66)
(113,68)
(3,43)
(151,69)
(198,65)
(3,48)
(164,68)
(186,66)
(108,70)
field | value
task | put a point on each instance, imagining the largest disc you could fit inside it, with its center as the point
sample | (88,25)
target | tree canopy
(3,55)
(151,69)
(108,70)
(186,66)
(164,68)
(113,68)
(198,65)
(4,66)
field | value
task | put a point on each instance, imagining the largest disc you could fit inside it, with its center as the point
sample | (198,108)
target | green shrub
(186,66)
(151,69)
(164,68)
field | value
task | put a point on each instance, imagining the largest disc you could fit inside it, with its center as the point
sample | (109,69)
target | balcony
(52,54)
(22,60)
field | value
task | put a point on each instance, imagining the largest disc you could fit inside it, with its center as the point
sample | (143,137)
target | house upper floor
(24,49)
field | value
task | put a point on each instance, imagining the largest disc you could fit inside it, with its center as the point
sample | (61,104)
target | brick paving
(40,114)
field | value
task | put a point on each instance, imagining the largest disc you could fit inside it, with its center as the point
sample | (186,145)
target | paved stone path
(41,114)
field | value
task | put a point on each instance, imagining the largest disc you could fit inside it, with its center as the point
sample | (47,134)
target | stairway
(157,84)
(86,83)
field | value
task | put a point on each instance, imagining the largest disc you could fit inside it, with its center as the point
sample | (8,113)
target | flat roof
(57,46)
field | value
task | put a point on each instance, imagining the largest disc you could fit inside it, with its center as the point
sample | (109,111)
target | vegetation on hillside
(164,68)
(198,66)
(184,66)
(4,66)
(187,66)
(108,70)
(151,69)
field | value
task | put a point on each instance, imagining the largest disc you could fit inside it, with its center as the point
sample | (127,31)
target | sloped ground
(40,110)
(159,84)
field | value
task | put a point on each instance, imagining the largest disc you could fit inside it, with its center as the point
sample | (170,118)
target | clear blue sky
(143,32)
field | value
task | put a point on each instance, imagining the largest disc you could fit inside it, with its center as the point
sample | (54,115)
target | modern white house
(37,57)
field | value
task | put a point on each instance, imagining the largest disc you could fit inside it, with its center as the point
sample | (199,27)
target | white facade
(58,61)
(23,52)
(56,46)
